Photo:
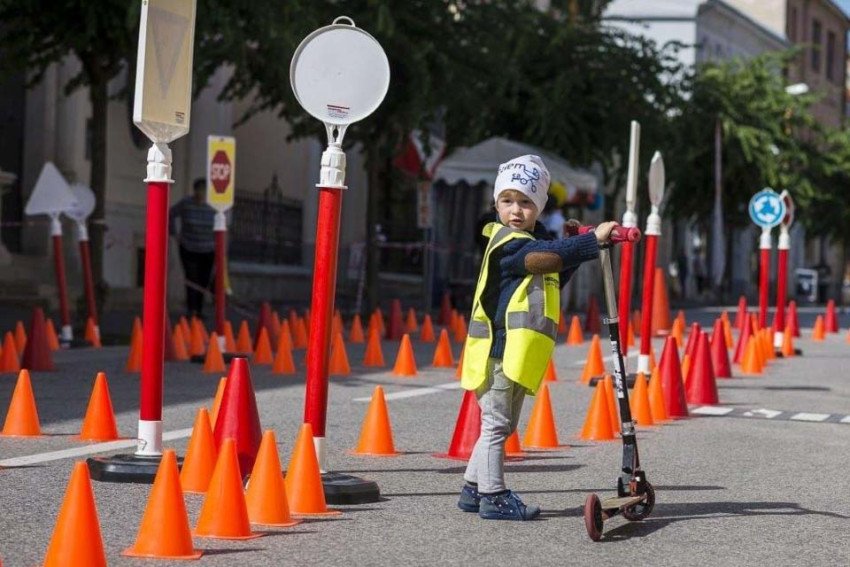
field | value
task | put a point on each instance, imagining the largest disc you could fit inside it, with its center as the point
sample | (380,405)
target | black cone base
(125,468)
(344,489)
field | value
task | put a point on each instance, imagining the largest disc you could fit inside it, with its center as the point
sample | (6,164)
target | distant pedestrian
(197,244)
(512,328)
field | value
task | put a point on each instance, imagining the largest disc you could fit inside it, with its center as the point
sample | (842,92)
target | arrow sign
(51,194)
(766,208)
(656,180)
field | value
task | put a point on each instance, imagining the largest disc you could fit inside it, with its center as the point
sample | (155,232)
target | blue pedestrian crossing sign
(767,209)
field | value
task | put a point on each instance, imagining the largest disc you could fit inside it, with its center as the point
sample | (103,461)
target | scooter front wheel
(642,509)
(593,517)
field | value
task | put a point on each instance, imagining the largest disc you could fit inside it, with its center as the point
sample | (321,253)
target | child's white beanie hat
(525,174)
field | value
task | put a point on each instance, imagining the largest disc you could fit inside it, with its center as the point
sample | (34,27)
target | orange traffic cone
(819,331)
(411,325)
(299,334)
(224,514)
(338,363)
(184,327)
(180,352)
(374,355)
(196,339)
(788,349)
(594,365)
(134,358)
(405,363)
(201,455)
(164,531)
(21,337)
(597,424)
(266,495)
(9,361)
(750,363)
(541,432)
(678,332)
(657,408)
(575,336)
(303,479)
(229,339)
(219,393)
(727,330)
(426,334)
(22,417)
(639,402)
(376,435)
(263,353)
(355,335)
(443,355)
(512,446)
(550,375)
(76,538)
(652,362)
(283,361)
(660,305)
(214,361)
(99,422)
(613,414)
(52,337)
(244,345)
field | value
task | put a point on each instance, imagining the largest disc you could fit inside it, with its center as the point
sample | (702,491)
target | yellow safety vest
(531,323)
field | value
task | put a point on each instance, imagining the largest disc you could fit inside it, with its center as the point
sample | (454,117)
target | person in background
(197,244)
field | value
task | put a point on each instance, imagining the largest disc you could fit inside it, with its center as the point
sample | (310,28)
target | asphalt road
(738,489)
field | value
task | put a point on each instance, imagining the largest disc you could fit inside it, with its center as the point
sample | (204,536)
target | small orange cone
(229,340)
(788,349)
(727,330)
(541,432)
(22,417)
(512,446)
(639,402)
(99,422)
(201,455)
(376,434)
(21,337)
(750,363)
(263,353)
(134,358)
(550,375)
(285,336)
(164,531)
(76,538)
(443,355)
(575,335)
(630,335)
(91,334)
(656,397)
(52,337)
(613,414)
(660,305)
(594,365)
(374,355)
(338,363)
(224,514)
(9,360)
(180,352)
(652,362)
(283,362)
(196,339)
(405,363)
(219,393)
(244,345)
(303,479)
(355,335)
(426,334)
(214,361)
(678,332)
(184,327)
(686,367)
(460,330)
(266,495)
(299,334)
(410,325)
(597,424)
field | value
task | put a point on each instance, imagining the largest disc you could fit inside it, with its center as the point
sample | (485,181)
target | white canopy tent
(479,163)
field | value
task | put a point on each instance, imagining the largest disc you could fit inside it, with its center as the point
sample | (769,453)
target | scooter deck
(618,502)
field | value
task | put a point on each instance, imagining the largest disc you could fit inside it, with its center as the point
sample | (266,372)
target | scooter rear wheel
(593,517)
(642,509)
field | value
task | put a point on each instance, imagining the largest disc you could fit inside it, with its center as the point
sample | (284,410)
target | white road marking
(712,410)
(416,392)
(765,413)
(809,416)
(845,420)
(86,450)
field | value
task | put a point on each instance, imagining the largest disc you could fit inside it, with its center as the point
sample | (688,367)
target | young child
(511,333)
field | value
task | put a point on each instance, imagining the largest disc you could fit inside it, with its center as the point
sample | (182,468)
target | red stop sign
(220,171)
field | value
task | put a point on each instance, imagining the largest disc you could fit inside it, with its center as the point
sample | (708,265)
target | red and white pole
(765,243)
(67,333)
(220,230)
(88,280)
(153,307)
(781,286)
(653,231)
(330,187)
(627,249)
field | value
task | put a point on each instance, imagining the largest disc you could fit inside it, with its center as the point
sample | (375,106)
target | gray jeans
(500,399)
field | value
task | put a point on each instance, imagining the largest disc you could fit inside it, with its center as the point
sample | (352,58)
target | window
(817,37)
(830,56)
(792,25)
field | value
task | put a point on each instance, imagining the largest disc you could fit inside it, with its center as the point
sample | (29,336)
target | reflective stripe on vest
(535,319)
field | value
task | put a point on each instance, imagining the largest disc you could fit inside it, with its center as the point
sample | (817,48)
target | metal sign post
(653,231)
(80,214)
(782,269)
(340,75)
(221,183)
(161,110)
(627,251)
(766,210)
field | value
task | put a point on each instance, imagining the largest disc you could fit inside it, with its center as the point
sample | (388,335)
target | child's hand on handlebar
(603,231)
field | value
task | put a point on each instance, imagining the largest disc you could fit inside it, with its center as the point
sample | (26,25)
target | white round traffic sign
(766,208)
(339,73)
(84,205)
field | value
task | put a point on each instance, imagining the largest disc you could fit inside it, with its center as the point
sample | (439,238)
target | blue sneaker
(469,499)
(506,506)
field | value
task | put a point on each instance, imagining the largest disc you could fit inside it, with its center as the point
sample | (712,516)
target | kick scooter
(635,495)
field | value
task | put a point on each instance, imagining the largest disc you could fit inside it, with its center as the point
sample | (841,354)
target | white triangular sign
(169,33)
(51,194)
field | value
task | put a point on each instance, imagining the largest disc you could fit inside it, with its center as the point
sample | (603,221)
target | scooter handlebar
(618,234)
